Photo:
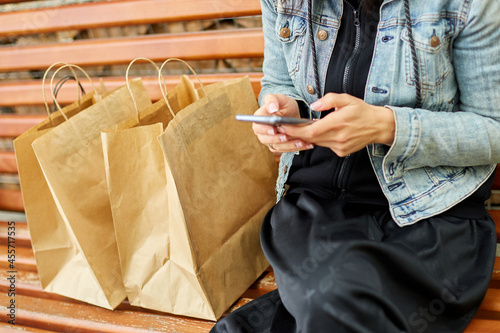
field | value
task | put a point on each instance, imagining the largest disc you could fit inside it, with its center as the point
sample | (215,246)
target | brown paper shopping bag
(72,163)
(135,171)
(49,236)
(220,183)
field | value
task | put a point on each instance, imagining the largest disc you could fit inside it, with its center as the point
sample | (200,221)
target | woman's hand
(284,106)
(350,127)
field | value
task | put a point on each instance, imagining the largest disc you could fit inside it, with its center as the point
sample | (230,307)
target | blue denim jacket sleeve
(280,81)
(468,135)
(276,81)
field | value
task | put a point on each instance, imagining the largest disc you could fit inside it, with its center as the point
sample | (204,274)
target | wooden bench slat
(266,283)
(107,14)
(8,328)
(11,200)
(28,284)
(8,162)
(60,316)
(22,235)
(496,182)
(4,2)
(28,92)
(496,270)
(14,125)
(25,260)
(495,214)
(482,326)
(491,300)
(223,44)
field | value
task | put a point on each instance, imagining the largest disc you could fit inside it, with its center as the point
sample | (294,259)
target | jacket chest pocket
(290,31)
(432,44)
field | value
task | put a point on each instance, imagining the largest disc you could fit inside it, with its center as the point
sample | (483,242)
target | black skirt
(347,267)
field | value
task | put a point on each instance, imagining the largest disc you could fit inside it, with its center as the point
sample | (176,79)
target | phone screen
(273,120)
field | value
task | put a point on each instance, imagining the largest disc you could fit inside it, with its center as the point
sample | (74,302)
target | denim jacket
(443,151)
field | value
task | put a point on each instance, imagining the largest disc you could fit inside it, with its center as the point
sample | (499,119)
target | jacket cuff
(288,91)
(406,137)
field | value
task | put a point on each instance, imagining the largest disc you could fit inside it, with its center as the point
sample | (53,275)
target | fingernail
(283,138)
(310,146)
(298,144)
(272,108)
(316,105)
(271,132)
(280,129)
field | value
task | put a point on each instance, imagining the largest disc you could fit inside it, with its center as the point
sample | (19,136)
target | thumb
(332,101)
(278,104)
(272,104)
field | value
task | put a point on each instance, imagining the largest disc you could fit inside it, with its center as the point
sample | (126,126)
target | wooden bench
(20,90)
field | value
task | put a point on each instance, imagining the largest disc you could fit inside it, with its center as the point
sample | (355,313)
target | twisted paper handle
(130,89)
(43,86)
(163,88)
(71,66)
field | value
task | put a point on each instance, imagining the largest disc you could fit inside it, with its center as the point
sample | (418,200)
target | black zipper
(357,24)
(345,162)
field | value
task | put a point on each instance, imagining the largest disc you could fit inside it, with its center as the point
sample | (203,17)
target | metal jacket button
(310,89)
(435,41)
(285,32)
(322,35)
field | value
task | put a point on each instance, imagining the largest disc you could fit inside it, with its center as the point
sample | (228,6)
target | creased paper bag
(135,171)
(220,183)
(72,163)
(49,236)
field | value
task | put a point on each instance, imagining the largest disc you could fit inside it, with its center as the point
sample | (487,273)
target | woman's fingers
(319,129)
(260,129)
(279,105)
(275,139)
(272,103)
(282,143)
(350,127)
(310,132)
(292,146)
(333,101)
(278,142)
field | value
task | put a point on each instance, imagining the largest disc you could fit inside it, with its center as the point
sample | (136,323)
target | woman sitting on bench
(383,226)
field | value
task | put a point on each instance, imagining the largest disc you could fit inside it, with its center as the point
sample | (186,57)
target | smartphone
(273,120)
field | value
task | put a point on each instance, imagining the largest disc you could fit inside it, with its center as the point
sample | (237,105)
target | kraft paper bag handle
(163,88)
(161,79)
(62,81)
(71,66)
(43,87)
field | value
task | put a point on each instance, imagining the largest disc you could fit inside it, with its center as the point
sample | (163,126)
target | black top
(352,178)
(320,169)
